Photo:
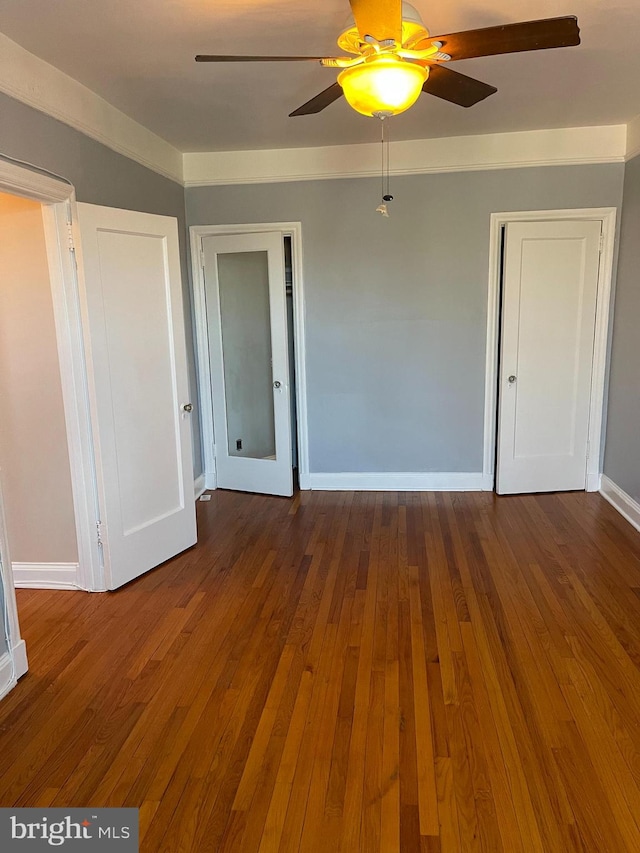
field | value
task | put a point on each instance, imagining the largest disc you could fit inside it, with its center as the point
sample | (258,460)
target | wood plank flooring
(350,672)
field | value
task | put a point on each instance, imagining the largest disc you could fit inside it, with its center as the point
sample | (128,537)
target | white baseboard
(7,683)
(199,486)
(410,481)
(624,503)
(45,575)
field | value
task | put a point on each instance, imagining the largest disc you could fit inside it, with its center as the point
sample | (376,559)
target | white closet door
(548,321)
(138,361)
(249,360)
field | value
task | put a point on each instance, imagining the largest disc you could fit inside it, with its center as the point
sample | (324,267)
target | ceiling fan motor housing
(413,31)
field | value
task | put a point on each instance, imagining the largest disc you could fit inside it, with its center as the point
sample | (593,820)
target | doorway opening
(43,369)
(249,318)
(37,210)
(520,315)
(34,454)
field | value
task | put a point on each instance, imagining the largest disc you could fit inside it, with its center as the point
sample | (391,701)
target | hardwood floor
(350,672)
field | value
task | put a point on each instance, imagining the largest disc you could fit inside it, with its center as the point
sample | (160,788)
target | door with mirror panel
(249,361)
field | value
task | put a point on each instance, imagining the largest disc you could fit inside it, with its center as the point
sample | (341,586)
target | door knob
(188,407)
(512,379)
(277,384)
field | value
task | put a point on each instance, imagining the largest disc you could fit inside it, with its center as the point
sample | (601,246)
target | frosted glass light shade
(385,84)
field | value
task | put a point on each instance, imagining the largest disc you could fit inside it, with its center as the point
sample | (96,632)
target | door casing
(197,233)
(60,226)
(607,215)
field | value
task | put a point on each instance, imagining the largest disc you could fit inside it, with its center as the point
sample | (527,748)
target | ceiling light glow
(384,84)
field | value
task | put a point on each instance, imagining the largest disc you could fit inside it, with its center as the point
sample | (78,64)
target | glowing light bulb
(384,84)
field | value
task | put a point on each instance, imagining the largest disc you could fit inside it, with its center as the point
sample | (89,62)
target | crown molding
(558,147)
(633,138)
(34,82)
(38,84)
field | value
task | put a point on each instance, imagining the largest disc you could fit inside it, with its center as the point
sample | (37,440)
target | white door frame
(600,347)
(60,224)
(13,663)
(287,229)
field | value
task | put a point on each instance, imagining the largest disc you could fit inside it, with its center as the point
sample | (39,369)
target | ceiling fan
(394,58)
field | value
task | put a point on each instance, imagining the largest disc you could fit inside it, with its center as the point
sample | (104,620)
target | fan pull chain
(382,153)
(384,170)
(388,147)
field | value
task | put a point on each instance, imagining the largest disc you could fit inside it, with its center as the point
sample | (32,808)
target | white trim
(8,679)
(594,481)
(13,664)
(31,184)
(34,82)
(18,657)
(7,585)
(73,375)
(633,138)
(605,274)
(202,359)
(58,200)
(304,481)
(294,230)
(618,498)
(45,575)
(404,481)
(557,147)
(199,486)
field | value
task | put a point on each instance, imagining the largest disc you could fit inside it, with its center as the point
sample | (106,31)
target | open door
(140,384)
(249,360)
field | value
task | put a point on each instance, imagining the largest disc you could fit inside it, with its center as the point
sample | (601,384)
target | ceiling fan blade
(456,88)
(317,104)
(381,19)
(213,58)
(511,38)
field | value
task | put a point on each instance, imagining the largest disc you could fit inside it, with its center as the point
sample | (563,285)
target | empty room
(319,433)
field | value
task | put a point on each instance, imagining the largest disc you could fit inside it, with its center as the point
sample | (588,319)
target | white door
(138,362)
(550,285)
(249,359)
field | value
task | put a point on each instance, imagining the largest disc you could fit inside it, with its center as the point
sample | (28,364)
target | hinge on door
(202,258)
(588,448)
(99,532)
(601,248)
(70,243)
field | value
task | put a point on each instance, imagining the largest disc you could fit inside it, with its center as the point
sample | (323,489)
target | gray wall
(100,176)
(396,308)
(622,451)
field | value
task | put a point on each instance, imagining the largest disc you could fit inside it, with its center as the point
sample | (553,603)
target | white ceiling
(139,57)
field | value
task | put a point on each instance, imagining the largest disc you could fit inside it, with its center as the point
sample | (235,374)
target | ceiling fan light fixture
(384,84)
